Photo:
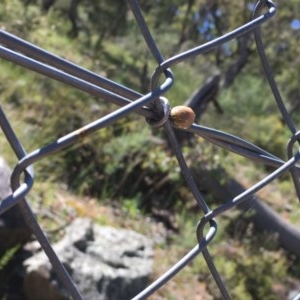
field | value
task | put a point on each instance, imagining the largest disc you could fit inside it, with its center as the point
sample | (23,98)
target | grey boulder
(104,262)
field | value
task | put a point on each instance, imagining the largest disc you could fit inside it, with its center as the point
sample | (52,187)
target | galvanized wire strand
(162,109)
(236,145)
(156,105)
(215,274)
(248,193)
(184,168)
(59,268)
(203,242)
(18,198)
(267,69)
(168,275)
(12,138)
(39,54)
(152,46)
(64,77)
(276,93)
(78,134)
(201,202)
(206,47)
(295,175)
(22,190)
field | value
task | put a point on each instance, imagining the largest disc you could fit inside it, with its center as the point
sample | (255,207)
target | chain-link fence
(156,109)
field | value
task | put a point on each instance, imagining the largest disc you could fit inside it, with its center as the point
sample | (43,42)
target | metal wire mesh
(156,109)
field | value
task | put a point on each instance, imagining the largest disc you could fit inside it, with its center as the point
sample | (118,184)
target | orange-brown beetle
(182,117)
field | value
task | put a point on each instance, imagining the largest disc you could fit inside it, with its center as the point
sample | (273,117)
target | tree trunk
(264,218)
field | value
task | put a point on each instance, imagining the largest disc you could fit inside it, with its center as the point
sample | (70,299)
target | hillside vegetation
(125,174)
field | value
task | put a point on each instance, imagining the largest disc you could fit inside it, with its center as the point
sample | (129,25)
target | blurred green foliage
(129,161)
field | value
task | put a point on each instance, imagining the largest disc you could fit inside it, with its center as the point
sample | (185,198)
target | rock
(104,262)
